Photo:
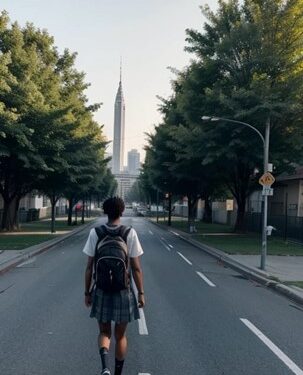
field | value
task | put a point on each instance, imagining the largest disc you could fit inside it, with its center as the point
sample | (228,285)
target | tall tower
(119,129)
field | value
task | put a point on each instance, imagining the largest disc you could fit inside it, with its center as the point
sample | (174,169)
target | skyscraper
(119,130)
(133,162)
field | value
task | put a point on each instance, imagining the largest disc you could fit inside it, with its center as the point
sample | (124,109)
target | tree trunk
(53,200)
(70,211)
(191,213)
(169,209)
(207,215)
(16,214)
(10,213)
(83,211)
(240,221)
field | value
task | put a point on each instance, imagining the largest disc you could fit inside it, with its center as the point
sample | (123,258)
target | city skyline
(101,31)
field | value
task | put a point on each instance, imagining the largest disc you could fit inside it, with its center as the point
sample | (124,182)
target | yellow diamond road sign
(267,179)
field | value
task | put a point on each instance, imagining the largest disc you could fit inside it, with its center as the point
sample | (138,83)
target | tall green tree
(256,49)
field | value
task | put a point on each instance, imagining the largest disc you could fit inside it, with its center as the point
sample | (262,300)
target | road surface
(200,319)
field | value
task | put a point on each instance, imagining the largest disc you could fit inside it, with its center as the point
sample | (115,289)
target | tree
(256,49)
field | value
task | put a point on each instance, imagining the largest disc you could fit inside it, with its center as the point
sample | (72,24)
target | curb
(257,275)
(39,249)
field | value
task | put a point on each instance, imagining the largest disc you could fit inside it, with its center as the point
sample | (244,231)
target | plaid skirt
(120,307)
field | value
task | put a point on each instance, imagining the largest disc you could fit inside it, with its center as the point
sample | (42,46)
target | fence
(287,227)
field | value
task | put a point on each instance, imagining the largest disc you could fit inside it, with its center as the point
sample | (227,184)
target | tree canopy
(247,66)
(48,138)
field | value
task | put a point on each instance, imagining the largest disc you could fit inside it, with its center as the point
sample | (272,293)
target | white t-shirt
(133,244)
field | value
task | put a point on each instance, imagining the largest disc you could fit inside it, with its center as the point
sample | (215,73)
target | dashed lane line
(175,233)
(184,258)
(203,277)
(144,373)
(166,247)
(282,356)
(142,321)
(150,232)
(171,246)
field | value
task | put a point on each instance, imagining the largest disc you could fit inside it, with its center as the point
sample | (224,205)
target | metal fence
(287,227)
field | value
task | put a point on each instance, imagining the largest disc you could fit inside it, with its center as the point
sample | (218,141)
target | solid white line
(282,356)
(31,260)
(205,279)
(171,246)
(142,321)
(186,260)
(150,232)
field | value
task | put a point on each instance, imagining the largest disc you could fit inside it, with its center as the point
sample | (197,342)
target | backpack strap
(101,232)
(124,232)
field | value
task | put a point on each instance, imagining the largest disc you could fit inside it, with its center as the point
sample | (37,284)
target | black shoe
(105,372)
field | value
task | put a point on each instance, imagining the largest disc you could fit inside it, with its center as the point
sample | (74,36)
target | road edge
(251,273)
(32,251)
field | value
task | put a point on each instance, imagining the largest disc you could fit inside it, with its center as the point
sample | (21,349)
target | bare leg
(121,341)
(104,335)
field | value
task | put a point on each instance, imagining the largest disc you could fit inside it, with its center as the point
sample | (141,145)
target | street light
(265,142)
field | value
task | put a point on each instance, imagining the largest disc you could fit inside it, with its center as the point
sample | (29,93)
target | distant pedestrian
(114,254)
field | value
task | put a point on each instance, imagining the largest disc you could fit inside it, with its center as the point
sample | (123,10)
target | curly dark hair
(113,207)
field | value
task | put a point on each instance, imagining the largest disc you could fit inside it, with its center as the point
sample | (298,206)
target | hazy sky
(148,34)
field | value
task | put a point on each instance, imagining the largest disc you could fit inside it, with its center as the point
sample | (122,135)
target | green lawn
(296,283)
(19,241)
(250,244)
(232,243)
(200,226)
(45,225)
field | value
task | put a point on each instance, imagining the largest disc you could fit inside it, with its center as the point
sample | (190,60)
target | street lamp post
(265,142)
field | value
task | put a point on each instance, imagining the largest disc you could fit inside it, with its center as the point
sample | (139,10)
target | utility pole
(265,197)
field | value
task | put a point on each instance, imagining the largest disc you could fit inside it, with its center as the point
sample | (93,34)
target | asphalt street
(201,318)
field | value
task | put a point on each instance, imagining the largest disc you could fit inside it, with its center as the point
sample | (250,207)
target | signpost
(266,180)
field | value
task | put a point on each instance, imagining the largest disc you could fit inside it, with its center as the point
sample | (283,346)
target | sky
(148,34)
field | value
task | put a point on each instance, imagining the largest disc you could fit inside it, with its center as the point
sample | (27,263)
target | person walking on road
(113,252)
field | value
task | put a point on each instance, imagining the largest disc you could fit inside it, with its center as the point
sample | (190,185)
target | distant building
(133,162)
(119,131)
(125,182)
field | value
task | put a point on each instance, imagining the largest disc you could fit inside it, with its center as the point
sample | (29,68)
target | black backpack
(111,259)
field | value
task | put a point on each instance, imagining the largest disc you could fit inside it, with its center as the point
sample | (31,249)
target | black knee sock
(118,367)
(104,357)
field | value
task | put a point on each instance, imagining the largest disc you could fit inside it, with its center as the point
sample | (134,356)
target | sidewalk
(279,269)
(11,258)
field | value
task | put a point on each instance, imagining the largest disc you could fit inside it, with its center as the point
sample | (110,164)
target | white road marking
(186,260)
(171,246)
(282,356)
(144,373)
(150,232)
(31,260)
(142,324)
(176,234)
(142,321)
(164,244)
(205,279)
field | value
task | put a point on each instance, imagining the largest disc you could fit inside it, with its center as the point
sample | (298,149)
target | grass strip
(19,242)
(249,244)
(295,283)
